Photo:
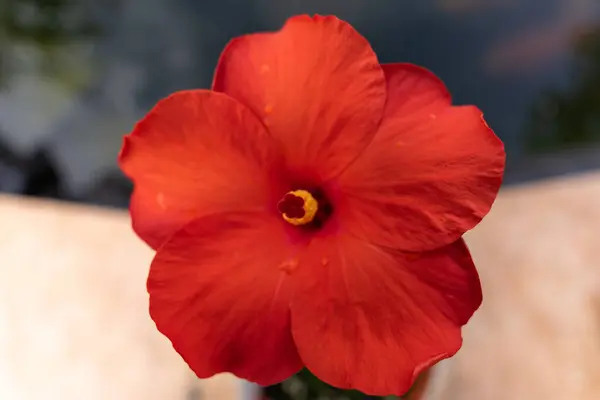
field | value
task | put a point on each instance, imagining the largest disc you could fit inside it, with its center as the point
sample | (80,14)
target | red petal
(430,174)
(372,319)
(316,83)
(219,291)
(197,152)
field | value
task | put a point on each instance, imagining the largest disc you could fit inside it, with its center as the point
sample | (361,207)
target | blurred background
(75,75)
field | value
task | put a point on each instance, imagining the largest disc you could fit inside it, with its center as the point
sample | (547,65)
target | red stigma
(292,206)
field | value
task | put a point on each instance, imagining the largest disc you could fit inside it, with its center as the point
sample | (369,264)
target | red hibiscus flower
(308,212)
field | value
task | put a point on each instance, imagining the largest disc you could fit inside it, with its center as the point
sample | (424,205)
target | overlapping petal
(316,83)
(380,316)
(430,174)
(195,153)
(220,291)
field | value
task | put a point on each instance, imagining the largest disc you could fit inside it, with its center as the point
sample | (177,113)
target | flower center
(298,207)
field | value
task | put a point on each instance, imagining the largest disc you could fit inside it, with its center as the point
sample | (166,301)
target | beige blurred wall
(74,322)
(537,334)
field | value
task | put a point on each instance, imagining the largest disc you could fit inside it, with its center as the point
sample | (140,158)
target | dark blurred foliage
(38,175)
(47,24)
(35,175)
(305,386)
(571,117)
